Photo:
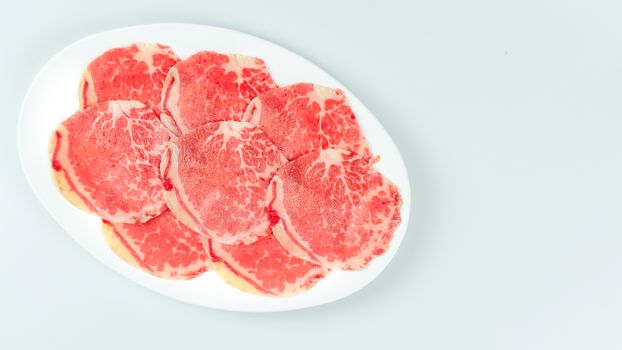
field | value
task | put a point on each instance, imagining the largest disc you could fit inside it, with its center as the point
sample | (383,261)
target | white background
(509,116)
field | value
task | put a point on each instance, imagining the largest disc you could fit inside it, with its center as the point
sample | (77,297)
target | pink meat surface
(134,72)
(304,117)
(110,153)
(332,207)
(216,178)
(210,87)
(164,247)
(267,266)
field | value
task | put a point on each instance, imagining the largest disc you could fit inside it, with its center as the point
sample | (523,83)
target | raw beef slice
(134,72)
(209,87)
(105,160)
(162,246)
(332,207)
(263,267)
(304,117)
(216,177)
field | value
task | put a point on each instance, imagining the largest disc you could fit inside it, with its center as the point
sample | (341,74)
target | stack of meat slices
(206,164)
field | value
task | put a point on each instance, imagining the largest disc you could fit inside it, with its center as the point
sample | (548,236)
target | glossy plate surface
(52,97)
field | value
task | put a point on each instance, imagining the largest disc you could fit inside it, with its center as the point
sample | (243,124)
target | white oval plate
(52,97)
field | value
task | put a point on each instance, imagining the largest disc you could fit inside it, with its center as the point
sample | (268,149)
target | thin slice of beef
(216,177)
(209,87)
(105,160)
(162,246)
(263,267)
(135,72)
(332,207)
(304,117)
